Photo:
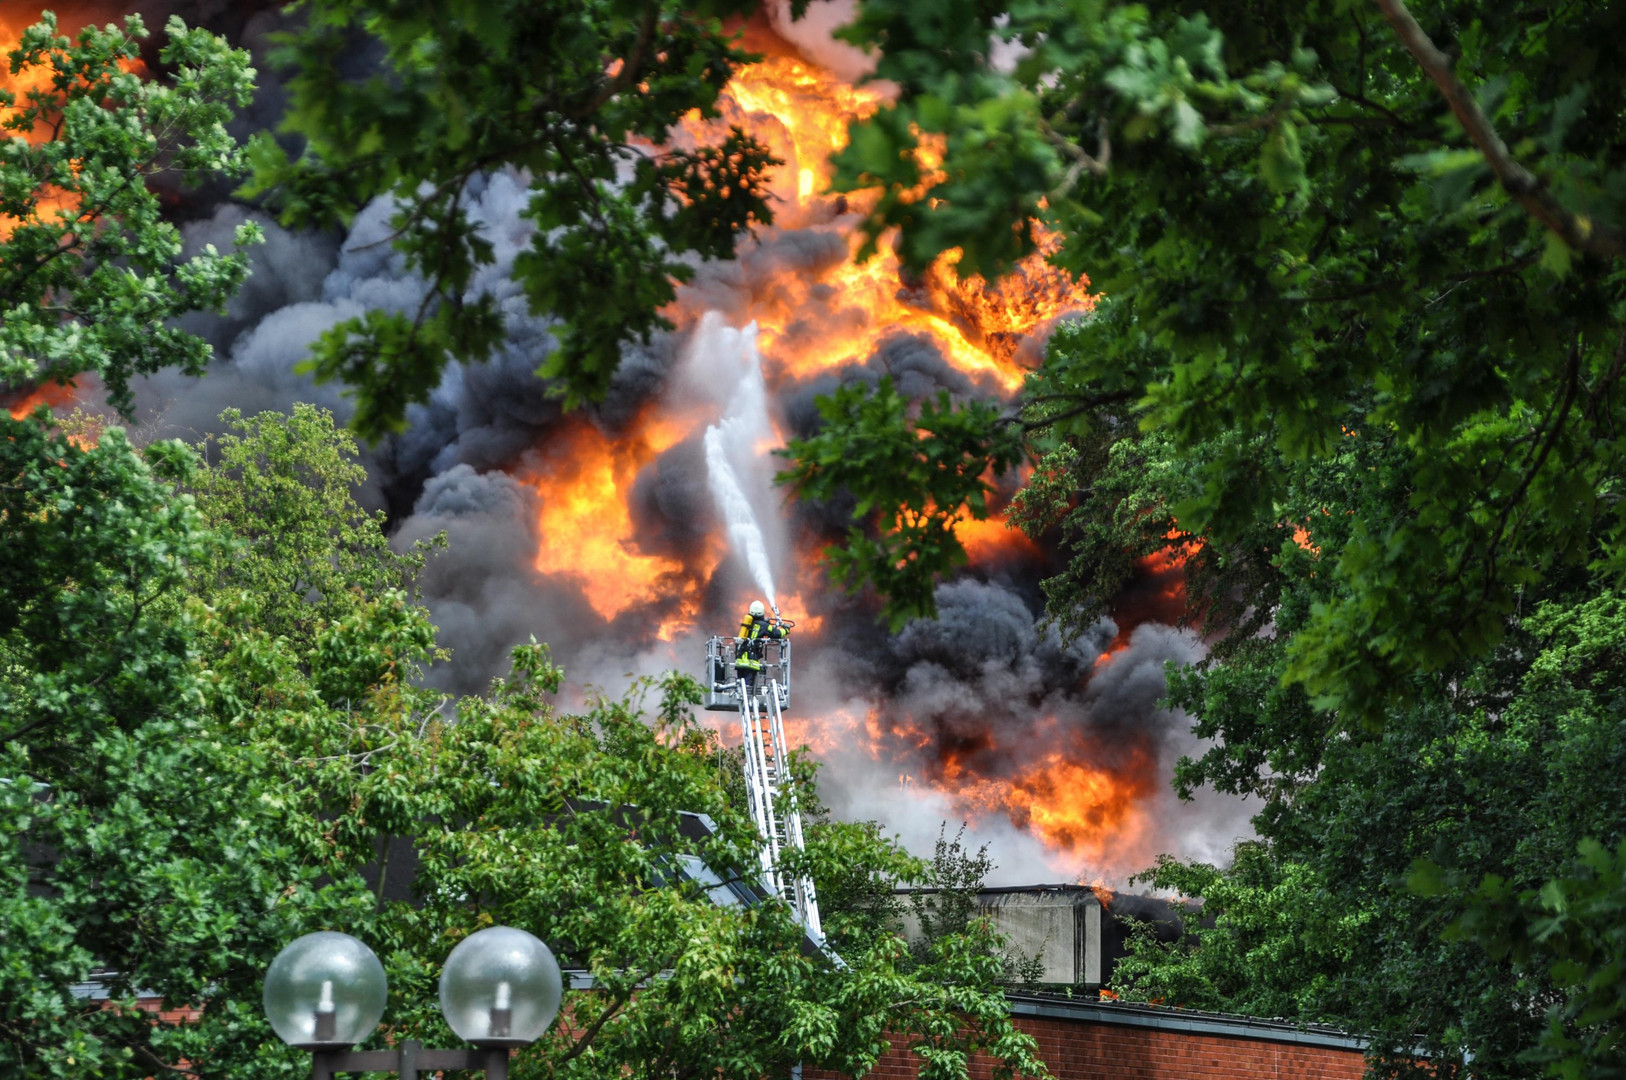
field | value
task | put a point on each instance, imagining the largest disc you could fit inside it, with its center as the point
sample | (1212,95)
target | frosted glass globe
(500,987)
(325,991)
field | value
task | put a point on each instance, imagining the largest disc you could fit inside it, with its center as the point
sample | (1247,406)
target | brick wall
(1082,1050)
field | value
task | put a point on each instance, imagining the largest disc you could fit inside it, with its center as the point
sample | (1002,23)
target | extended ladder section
(768,784)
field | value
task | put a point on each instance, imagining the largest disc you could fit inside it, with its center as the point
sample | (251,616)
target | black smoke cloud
(671,507)
(984,678)
(989,686)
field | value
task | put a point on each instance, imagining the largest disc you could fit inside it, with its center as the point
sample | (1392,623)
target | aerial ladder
(769,786)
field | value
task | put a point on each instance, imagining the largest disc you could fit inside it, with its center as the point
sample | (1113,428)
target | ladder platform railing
(718,687)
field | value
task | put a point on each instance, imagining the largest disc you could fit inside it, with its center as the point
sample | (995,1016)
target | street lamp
(325,992)
(500,987)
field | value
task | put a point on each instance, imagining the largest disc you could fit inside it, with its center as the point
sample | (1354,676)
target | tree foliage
(921,470)
(133,843)
(92,279)
(1298,238)
(1399,885)
(1359,353)
(1287,947)
(577,96)
(216,740)
(282,487)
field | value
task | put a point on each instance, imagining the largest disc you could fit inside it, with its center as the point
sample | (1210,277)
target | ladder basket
(720,683)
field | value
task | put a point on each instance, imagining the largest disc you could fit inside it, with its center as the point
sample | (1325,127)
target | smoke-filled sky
(598,531)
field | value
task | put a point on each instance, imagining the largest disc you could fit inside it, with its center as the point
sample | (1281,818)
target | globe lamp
(325,991)
(500,988)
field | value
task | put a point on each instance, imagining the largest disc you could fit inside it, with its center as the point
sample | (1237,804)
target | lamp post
(325,992)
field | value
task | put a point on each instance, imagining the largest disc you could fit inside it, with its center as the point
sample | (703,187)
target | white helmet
(757,610)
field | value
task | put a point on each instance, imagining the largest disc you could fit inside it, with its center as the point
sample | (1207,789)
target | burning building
(598,531)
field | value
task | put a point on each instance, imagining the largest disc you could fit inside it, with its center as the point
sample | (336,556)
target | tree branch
(1597,394)
(1571,381)
(592,1031)
(1096,165)
(1085,402)
(1578,231)
(1394,119)
(633,65)
(34,725)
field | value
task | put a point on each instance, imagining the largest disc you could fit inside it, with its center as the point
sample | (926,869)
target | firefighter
(755,628)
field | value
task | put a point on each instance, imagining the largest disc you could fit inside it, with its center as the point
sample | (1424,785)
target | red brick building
(1091,1040)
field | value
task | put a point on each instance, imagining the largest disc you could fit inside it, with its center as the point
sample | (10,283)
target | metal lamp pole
(408,1060)
(499,989)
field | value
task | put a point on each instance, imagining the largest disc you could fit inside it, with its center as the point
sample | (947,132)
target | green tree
(1271,940)
(578,96)
(133,841)
(282,486)
(189,781)
(1299,235)
(1359,349)
(944,906)
(92,279)
(1412,878)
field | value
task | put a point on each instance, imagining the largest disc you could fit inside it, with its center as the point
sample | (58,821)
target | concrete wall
(1061,924)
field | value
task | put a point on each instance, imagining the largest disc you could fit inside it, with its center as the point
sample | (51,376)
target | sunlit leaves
(92,279)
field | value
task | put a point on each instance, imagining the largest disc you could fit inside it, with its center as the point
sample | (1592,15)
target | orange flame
(1158,594)
(819,318)
(50,394)
(52,201)
(38,78)
(585,528)
(1085,812)
(992,538)
(814,322)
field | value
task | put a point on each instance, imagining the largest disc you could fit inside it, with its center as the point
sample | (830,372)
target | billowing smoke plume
(599,533)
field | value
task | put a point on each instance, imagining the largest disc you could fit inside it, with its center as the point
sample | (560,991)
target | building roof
(1184,1021)
(985,890)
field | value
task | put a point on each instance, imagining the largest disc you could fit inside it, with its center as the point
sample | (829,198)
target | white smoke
(812,35)
(723,364)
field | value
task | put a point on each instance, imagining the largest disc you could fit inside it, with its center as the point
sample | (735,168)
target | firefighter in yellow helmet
(755,628)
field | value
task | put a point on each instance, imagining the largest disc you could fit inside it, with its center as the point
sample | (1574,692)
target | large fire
(587,532)
(1088,814)
(1082,803)
(801,113)
(1081,800)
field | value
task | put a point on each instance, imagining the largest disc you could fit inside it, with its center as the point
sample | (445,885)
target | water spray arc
(732,446)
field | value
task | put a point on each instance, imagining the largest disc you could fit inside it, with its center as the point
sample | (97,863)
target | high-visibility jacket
(754,630)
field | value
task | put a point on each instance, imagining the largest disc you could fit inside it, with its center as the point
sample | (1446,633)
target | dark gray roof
(985,890)
(1183,1021)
